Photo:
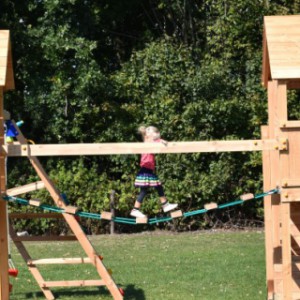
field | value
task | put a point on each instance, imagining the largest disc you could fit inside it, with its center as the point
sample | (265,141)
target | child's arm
(164,142)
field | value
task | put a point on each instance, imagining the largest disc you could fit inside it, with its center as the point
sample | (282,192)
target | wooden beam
(25,188)
(139,148)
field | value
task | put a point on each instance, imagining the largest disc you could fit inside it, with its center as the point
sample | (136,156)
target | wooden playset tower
(281,168)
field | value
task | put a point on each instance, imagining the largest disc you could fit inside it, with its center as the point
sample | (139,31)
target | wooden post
(4,281)
(112,210)
(268,218)
(286,251)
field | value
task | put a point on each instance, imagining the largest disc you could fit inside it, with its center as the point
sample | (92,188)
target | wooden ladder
(79,235)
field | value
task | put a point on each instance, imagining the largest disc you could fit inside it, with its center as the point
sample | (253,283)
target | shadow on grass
(131,293)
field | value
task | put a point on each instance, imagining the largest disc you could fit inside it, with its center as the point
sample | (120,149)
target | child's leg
(163,200)
(140,198)
(135,212)
(161,194)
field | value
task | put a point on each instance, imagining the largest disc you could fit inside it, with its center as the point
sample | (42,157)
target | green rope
(132,221)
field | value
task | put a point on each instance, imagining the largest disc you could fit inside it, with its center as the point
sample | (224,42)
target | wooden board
(71,209)
(106,215)
(35,202)
(176,214)
(41,215)
(141,220)
(25,188)
(79,283)
(139,148)
(210,206)
(59,261)
(59,238)
(247,197)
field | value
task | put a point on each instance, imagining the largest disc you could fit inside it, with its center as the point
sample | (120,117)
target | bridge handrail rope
(131,220)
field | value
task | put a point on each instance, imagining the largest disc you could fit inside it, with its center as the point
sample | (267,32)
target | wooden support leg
(4,281)
(269,248)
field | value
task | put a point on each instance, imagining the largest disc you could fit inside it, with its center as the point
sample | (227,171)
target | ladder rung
(72,283)
(53,261)
(43,238)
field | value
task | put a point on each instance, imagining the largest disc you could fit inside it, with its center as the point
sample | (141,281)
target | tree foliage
(93,71)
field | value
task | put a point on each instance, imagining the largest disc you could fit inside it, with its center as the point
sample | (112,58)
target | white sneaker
(168,207)
(137,214)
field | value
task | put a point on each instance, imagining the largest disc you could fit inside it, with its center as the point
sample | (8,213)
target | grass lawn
(157,266)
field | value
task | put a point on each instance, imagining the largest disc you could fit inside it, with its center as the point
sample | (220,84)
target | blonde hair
(142,131)
(150,130)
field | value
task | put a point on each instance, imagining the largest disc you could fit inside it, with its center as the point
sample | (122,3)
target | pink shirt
(148,159)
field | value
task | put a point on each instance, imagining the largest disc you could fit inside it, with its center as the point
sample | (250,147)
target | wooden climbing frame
(280,146)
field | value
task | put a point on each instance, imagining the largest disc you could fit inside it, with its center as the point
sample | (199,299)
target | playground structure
(280,145)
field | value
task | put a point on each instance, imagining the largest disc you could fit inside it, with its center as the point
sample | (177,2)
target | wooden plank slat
(247,197)
(106,215)
(176,214)
(210,206)
(35,202)
(71,209)
(141,220)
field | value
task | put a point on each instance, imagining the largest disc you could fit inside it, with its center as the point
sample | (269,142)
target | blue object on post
(10,129)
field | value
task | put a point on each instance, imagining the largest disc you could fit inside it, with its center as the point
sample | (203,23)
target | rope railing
(132,221)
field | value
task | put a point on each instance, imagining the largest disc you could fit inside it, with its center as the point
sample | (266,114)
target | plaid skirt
(146,178)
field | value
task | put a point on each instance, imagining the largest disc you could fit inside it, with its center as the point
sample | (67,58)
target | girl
(146,177)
